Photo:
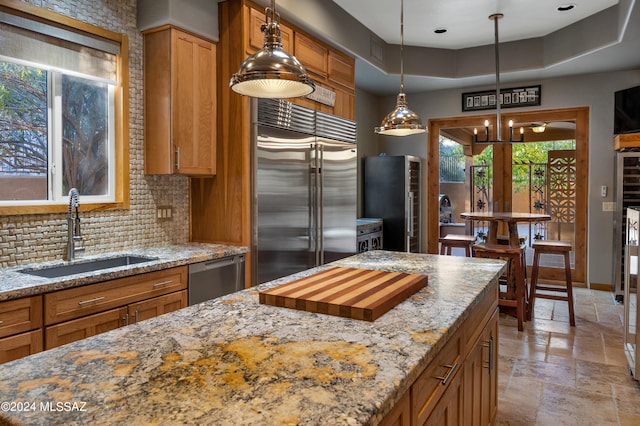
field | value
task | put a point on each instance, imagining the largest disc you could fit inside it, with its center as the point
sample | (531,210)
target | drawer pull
(125,319)
(452,369)
(95,299)
(1,322)
(161,283)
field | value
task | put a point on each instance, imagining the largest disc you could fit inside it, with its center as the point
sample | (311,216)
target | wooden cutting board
(346,292)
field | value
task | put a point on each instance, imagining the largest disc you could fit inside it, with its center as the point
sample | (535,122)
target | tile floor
(553,374)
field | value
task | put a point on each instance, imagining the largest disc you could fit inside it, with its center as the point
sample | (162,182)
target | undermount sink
(88,266)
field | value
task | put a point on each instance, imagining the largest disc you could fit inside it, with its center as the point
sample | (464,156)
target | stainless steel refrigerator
(305,188)
(392,193)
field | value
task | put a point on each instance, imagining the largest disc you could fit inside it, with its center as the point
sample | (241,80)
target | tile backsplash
(34,238)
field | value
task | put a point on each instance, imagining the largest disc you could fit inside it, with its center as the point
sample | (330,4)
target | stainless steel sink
(88,266)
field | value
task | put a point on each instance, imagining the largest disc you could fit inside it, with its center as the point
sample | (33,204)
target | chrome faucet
(73,227)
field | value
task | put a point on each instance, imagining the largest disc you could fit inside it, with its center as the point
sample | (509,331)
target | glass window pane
(85,162)
(23,132)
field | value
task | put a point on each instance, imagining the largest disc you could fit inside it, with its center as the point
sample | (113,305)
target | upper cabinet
(332,70)
(256,36)
(179,103)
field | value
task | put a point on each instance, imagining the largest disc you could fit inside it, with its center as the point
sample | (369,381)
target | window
(61,119)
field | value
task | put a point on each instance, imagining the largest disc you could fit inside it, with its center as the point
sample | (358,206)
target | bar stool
(515,295)
(562,248)
(450,241)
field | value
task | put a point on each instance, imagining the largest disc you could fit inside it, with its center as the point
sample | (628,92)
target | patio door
(551,184)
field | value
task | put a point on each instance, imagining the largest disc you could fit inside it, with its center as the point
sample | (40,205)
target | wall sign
(324,96)
(509,98)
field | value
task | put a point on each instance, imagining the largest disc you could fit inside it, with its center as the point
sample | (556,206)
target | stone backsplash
(33,238)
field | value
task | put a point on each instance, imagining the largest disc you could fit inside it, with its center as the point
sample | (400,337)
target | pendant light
(495,17)
(401,121)
(271,72)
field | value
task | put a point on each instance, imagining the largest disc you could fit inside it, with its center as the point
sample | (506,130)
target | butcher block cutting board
(360,294)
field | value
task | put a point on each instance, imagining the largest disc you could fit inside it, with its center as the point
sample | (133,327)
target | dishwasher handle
(216,263)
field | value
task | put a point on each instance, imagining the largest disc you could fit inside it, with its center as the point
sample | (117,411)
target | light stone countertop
(14,284)
(233,361)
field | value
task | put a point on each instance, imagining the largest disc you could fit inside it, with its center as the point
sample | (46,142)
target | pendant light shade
(271,72)
(401,121)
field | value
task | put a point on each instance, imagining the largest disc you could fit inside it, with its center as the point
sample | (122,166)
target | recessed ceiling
(466,21)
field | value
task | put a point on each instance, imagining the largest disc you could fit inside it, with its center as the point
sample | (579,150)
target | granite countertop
(14,284)
(233,361)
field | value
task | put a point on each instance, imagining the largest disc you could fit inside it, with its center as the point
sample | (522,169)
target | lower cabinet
(20,345)
(20,328)
(80,312)
(90,325)
(459,387)
(81,328)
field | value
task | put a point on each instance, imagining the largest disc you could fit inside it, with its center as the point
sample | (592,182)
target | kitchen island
(234,361)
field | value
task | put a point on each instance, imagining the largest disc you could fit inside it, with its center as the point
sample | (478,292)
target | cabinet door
(431,387)
(481,377)
(256,36)
(157,306)
(84,327)
(193,100)
(20,315)
(311,54)
(400,415)
(20,345)
(80,301)
(342,70)
(448,410)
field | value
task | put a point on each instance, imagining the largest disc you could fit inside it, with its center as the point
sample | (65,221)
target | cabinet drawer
(20,315)
(84,327)
(429,387)
(20,345)
(76,302)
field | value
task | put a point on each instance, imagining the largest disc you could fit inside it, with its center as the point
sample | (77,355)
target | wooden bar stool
(515,295)
(450,241)
(562,248)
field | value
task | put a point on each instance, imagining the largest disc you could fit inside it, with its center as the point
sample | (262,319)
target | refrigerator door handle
(320,204)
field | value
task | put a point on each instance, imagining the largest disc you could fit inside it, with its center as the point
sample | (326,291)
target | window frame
(121,116)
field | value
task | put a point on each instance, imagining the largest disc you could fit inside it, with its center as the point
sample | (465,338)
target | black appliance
(392,193)
(626,117)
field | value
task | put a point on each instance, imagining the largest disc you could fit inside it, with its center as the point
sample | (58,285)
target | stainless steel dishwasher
(215,278)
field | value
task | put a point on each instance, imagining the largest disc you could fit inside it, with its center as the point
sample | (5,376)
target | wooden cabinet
(428,391)
(20,328)
(84,327)
(77,302)
(157,306)
(179,103)
(90,325)
(626,141)
(313,55)
(459,386)
(20,345)
(85,311)
(256,36)
(481,374)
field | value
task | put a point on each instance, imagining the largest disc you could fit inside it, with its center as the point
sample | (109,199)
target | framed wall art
(509,98)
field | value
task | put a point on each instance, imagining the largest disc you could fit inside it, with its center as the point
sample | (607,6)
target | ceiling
(537,41)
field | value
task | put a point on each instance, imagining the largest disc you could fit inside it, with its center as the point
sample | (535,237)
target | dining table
(510,218)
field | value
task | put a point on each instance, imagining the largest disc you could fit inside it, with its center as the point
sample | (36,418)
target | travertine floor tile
(555,374)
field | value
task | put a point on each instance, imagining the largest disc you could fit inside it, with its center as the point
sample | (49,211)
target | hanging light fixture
(495,17)
(401,121)
(271,72)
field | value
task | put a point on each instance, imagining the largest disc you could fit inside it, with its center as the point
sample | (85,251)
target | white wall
(593,90)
